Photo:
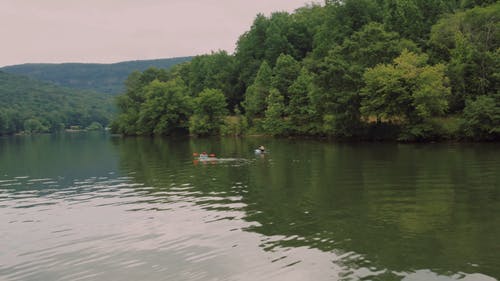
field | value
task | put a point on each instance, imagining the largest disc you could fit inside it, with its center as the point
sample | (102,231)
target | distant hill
(45,107)
(103,78)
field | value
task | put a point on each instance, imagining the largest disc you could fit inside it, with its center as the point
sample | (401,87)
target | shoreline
(269,136)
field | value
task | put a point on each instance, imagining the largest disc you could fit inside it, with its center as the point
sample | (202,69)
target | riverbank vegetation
(410,70)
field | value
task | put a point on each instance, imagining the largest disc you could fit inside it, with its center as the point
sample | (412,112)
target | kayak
(207,158)
(204,156)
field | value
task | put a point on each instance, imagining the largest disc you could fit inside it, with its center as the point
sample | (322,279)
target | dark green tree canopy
(358,69)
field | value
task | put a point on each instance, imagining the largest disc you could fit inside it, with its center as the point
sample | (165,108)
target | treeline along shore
(408,70)
(49,98)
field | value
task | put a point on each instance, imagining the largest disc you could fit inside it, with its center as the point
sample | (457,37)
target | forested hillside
(412,70)
(32,106)
(102,78)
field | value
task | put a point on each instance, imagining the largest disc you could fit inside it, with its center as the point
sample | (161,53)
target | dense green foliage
(153,104)
(255,96)
(33,106)
(482,117)
(358,69)
(102,78)
(209,112)
(409,90)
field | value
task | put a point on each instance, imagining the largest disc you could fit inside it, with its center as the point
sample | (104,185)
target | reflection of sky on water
(140,210)
(114,228)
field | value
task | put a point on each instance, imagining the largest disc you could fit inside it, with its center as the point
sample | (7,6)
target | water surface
(94,207)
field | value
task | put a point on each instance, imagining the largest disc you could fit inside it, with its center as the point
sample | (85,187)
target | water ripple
(259,219)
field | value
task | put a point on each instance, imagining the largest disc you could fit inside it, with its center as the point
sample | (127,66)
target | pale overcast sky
(116,30)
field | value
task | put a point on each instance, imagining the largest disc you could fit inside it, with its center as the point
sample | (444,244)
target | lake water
(96,207)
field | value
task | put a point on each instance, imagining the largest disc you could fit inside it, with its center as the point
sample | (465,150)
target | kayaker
(262,149)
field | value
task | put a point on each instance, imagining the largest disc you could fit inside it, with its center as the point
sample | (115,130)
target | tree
(408,89)
(33,125)
(336,95)
(235,125)
(342,19)
(144,108)
(300,109)
(405,17)
(285,72)
(413,19)
(469,41)
(372,45)
(482,118)
(209,112)
(303,24)
(249,52)
(129,105)
(95,126)
(165,109)
(339,76)
(276,40)
(273,121)
(256,94)
(216,71)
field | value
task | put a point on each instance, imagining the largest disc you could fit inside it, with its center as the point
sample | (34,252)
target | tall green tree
(341,20)
(413,19)
(214,71)
(304,24)
(300,109)
(129,104)
(372,45)
(409,19)
(250,51)
(276,38)
(336,96)
(285,72)
(255,96)
(274,123)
